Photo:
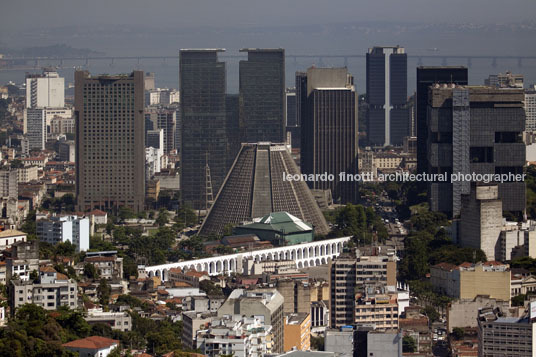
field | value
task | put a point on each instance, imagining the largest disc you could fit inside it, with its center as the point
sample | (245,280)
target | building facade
(262,95)
(204,131)
(60,229)
(387,82)
(427,76)
(45,90)
(329,143)
(475,130)
(261,302)
(110,158)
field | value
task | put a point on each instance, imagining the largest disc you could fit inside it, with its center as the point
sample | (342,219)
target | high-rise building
(204,129)
(164,118)
(387,82)
(475,130)
(262,95)
(530,109)
(110,154)
(348,276)
(35,128)
(507,80)
(427,76)
(59,229)
(255,187)
(293,129)
(9,184)
(329,133)
(45,90)
(505,336)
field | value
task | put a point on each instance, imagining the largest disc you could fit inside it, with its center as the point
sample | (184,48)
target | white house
(93,346)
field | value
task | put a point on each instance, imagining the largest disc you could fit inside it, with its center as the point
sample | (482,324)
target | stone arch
(323,261)
(151,274)
(218,266)
(158,273)
(317,261)
(225,265)
(205,267)
(306,264)
(165,275)
(199,267)
(263,257)
(310,252)
(300,265)
(211,268)
(232,265)
(299,254)
(316,252)
(322,250)
(312,263)
(293,254)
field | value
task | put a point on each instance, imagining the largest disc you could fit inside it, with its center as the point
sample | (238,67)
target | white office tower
(45,90)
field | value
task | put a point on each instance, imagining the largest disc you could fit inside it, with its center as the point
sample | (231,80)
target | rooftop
(93,342)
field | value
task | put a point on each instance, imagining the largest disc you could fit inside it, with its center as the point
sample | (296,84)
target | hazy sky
(26,14)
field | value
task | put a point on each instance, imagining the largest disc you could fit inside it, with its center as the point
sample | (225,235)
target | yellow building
(467,280)
(297,332)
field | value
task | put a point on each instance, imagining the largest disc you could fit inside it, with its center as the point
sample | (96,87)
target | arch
(322,250)
(225,265)
(263,257)
(317,261)
(310,252)
(312,263)
(158,273)
(199,267)
(165,275)
(151,274)
(232,265)
(218,266)
(299,254)
(316,251)
(205,267)
(211,267)
(293,254)
(323,261)
(333,248)
(257,258)
(306,264)
(300,265)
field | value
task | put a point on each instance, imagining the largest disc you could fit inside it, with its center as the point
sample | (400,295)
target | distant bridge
(304,254)
(36,62)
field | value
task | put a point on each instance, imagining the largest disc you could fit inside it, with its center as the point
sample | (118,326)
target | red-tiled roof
(98,212)
(92,342)
(445,266)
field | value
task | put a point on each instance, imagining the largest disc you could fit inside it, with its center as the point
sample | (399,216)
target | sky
(28,14)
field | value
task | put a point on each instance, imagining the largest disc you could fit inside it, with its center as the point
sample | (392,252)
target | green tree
(431,312)
(519,300)
(317,343)
(163,217)
(409,345)
(458,333)
(103,292)
(91,272)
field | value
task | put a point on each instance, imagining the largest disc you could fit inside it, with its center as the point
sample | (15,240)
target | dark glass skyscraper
(262,95)
(329,131)
(387,81)
(475,130)
(426,76)
(203,119)
(110,142)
